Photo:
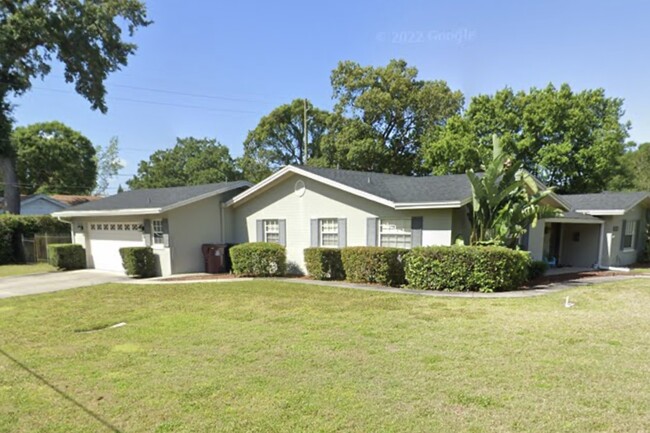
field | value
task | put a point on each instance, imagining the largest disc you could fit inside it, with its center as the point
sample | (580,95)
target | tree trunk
(12,192)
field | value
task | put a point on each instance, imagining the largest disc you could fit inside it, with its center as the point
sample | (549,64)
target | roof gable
(606,203)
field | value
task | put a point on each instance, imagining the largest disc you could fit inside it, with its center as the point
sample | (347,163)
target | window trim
(321,232)
(266,232)
(161,232)
(408,230)
(635,227)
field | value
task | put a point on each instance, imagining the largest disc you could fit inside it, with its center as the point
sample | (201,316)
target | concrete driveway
(43,283)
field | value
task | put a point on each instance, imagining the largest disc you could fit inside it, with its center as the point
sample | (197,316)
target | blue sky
(213,68)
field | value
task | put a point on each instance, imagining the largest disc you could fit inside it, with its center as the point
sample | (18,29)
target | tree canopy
(53,158)
(278,139)
(108,164)
(192,161)
(571,140)
(86,37)
(635,169)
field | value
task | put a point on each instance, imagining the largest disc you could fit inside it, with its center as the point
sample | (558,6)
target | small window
(395,233)
(329,233)
(92,227)
(135,227)
(157,229)
(105,226)
(629,235)
(272,231)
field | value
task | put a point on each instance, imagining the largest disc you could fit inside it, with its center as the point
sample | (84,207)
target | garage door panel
(106,239)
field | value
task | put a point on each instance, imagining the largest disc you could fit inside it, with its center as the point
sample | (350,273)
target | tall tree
(85,36)
(635,164)
(571,140)
(192,161)
(53,158)
(108,164)
(384,112)
(278,139)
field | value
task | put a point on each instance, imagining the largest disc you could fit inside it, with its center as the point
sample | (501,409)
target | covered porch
(572,241)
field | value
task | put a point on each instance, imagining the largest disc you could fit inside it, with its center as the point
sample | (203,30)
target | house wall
(39,207)
(460,225)
(536,240)
(323,201)
(579,245)
(614,227)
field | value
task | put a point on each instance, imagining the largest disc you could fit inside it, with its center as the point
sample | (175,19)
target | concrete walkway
(53,282)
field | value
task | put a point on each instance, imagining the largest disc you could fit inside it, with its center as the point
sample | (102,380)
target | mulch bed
(551,279)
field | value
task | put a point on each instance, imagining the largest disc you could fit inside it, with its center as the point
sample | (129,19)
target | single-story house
(175,222)
(42,204)
(301,207)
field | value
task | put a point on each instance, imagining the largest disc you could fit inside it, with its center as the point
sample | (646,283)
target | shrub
(537,269)
(139,262)
(324,263)
(12,226)
(374,265)
(258,259)
(66,256)
(470,268)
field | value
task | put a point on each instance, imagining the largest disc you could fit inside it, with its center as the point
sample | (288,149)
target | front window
(329,233)
(630,234)
(395,233)
(272,231)
(157,227)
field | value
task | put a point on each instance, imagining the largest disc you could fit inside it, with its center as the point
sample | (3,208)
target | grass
(264,356)
(33,268)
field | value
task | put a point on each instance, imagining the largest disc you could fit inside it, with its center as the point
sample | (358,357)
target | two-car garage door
(106,239)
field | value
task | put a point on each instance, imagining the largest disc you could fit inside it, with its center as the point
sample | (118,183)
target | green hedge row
(138,262)
(258,259)
(467,268)
(66,257)
(374,265)
(12,226)
(324,263)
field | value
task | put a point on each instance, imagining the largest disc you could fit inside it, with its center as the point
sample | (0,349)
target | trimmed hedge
(374,265)
(66,256)
(12,226)
(324,263)
(467,268)
(537,269)
(139,262)
(258,259)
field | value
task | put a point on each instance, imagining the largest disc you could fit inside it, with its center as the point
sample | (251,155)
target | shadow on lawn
(105,423)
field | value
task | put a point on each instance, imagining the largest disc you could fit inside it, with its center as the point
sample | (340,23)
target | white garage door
(106,239)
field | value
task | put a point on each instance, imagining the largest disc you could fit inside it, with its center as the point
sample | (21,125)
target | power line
(193,95)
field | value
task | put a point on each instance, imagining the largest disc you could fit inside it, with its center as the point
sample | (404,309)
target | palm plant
(506,200)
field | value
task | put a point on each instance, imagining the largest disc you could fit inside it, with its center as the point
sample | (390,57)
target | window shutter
(371,231)
(260,230)
(623,227)
(343,231)
(416,231)
(282,225)
(146,232)
(314,233)
(165,228)
(639,234)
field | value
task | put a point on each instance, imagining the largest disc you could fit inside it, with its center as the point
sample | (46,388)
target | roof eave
(452,204)
(102,213)
(602,212)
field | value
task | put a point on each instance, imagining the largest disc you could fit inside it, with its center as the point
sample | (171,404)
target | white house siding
(323,201)
(617,256)
(536,240)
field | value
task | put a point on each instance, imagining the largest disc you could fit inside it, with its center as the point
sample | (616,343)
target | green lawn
(34,268)
(267,356)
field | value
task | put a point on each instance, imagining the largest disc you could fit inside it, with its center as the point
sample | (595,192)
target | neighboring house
(175,222)
(41,204)
(301,207)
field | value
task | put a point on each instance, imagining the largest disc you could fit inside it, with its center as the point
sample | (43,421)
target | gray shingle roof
(155,198)
(401,189)
(605,200)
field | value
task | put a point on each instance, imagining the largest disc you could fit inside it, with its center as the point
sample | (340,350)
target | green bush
(66,256)
(258,259)
(139,262)
(467,268)
(374,265)
(537,269)
(324,263)
(645,255)
(12,226)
